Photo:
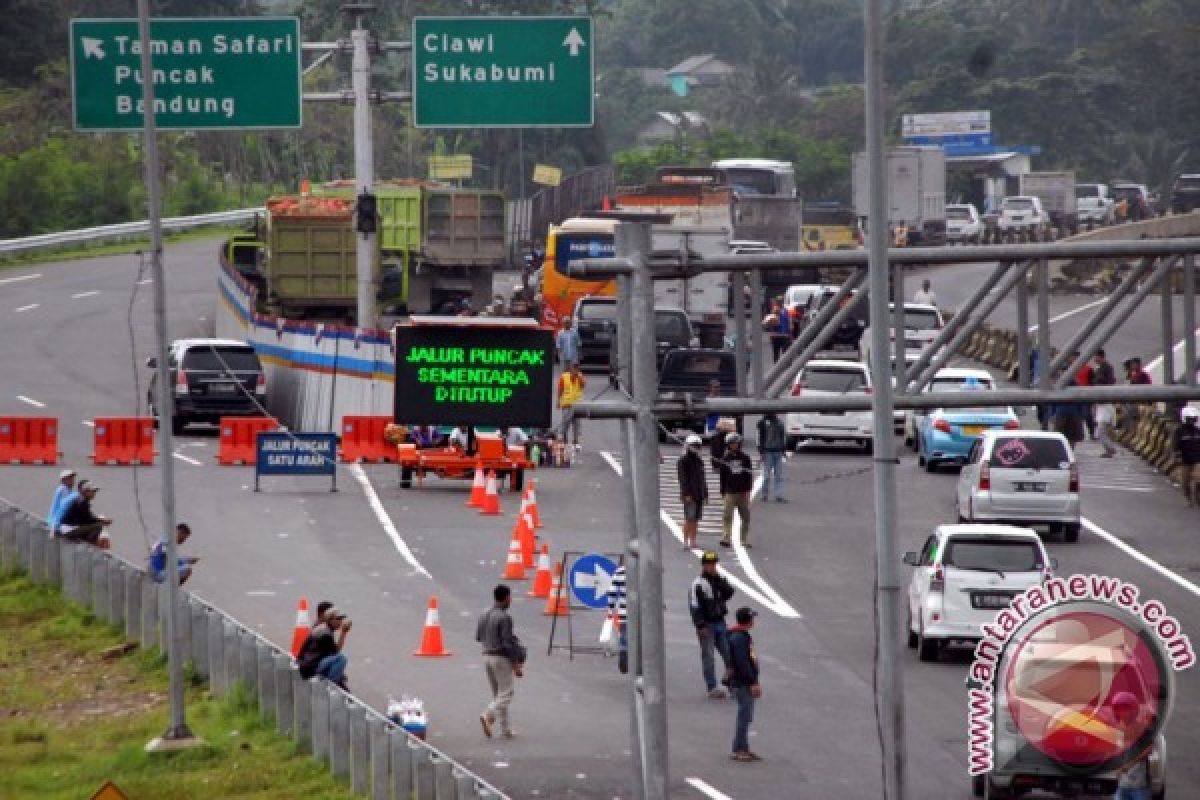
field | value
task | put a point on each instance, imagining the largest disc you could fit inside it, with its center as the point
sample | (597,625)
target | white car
(1021,477)
(963,224)
(831,378)
(1095,204)
(802,295)
(1023,213)
(922,324)
(946,379)
(963,576)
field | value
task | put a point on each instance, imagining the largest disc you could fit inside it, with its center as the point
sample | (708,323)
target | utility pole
(364,159)
(890,700)
(178,735)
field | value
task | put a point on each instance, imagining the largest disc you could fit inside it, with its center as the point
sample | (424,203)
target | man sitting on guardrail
(321,653)
(80,523)
(156,565)
(63,493)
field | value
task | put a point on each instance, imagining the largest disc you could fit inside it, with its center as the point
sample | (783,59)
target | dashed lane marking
(88,422)
(381,514)
(29,307)
(1141,557)
(30,401)
(708,790)
(81,295)
(1071,313)
(21,278)
(187,459)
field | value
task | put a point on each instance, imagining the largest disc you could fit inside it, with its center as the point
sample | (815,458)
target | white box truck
(916,186)
(1056,190)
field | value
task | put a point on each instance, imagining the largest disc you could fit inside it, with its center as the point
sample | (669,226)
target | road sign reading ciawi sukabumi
(502,72)
(212,72)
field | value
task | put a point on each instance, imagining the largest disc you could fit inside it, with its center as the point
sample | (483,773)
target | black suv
(1185,194)
(688,373)
(213,378)
(596,321)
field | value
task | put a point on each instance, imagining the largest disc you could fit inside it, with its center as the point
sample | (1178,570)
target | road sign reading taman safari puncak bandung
(212,72)
(502,72)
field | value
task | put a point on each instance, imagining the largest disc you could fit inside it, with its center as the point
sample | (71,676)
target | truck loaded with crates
(436,248)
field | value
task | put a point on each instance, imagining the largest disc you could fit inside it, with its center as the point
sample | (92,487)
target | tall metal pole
(758,353)
(521,164)
(177,729)
(890,700)
(1168,331)
(1189,320)
(1023,332)
(633,619)
(1043,311)
(738,298)
(364,166)
(633,242)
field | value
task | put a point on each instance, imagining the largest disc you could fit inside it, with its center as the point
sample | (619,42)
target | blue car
(946,435)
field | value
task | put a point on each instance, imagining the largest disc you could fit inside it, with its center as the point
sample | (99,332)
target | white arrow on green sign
(210,72)
(502,72)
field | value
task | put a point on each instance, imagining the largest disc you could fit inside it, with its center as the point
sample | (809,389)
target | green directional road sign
(211,72)
(502,72)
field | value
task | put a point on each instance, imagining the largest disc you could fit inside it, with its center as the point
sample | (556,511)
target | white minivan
(831,378)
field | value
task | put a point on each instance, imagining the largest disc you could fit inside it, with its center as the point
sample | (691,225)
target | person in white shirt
(925,294)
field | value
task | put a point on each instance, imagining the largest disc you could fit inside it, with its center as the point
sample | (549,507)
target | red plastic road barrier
(28,440)
(123,440)
(362,440)
(239,436)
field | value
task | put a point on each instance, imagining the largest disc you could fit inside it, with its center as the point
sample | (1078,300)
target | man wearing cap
(321,653)
(708,603)
(79,523)
(503,658)
(743,681)
(693,488)
(62,498)
(1187,445)
(737,479)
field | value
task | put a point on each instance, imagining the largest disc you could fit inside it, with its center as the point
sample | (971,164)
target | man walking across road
(708,601)
(743,681)
(568,344)
(1187,445)
(503,658)
(737,479)
(772,441)
(62,498)
(693,488)
(570,391)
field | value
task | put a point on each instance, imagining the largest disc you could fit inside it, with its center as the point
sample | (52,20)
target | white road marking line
(1137,555)
(260,593)
(781,605)
(144,281)
(89,423)
(1154,364)
(1118,488)
(704,788)
(767,597)
(29,307)
(84,294)
(21,278)
(1071,313)
(187,459)
(30,401)
(373,500)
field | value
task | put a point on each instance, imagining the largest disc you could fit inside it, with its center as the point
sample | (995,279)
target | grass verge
(72,718)
(75,252)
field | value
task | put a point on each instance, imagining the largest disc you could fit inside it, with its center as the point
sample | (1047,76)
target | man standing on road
(737,480)
(568,344)
(1187,445)
(693,489)
(321,653)
(925,295)
(743,682)
(62,498)
(772,441)
(570,391)
(1103,375)
(503,658)
(708,603)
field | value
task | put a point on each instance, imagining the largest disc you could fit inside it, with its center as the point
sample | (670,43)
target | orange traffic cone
(303,627)
(533,509)
(514,566)
(491,498)
(528,541)
(478,488)
(557,603)
(543,579)
(431,639)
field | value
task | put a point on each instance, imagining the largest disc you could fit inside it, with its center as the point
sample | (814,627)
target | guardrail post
(54,548)
(231,652)
(116,591)
(24,545)
(100,586)
(423,782)
(266,678)
(339,731)
(214,623)
(444,784)
(302,708)
(381,758)
(149,630)
(360,752)
(66,557)
(133,604)
(320,720)
(183,621)
(199,636)
(37,553)
(284,702)
(248,656)
(465,785)
(8,540)
(402,763)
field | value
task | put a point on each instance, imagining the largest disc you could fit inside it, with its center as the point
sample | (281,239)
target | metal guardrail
(380,759)
(124,230)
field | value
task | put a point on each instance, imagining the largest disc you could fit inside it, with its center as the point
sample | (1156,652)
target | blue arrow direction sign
(591,579)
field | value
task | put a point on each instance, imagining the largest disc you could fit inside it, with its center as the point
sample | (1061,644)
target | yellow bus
(575,238)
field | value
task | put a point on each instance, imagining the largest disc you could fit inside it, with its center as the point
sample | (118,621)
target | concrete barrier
(360,751)
(198,637)
(284,702)
(133,605)
(302,711)
(266,678)
(320,720)
(381,758)
(339,731)
(218,681)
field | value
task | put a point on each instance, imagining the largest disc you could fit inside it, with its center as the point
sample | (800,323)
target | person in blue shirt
(62,499)
(568,344)
(158,557)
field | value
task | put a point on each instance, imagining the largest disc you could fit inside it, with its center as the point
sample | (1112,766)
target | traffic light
(367,212)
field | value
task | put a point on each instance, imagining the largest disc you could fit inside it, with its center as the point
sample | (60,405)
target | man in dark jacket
(737,480)
(81,524)
(772,441)
(708,601)
(321,653)
(503,658)
(693,489)
(743,682)
(1187,445)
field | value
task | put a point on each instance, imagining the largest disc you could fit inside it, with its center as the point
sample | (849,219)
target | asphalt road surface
(68,354)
